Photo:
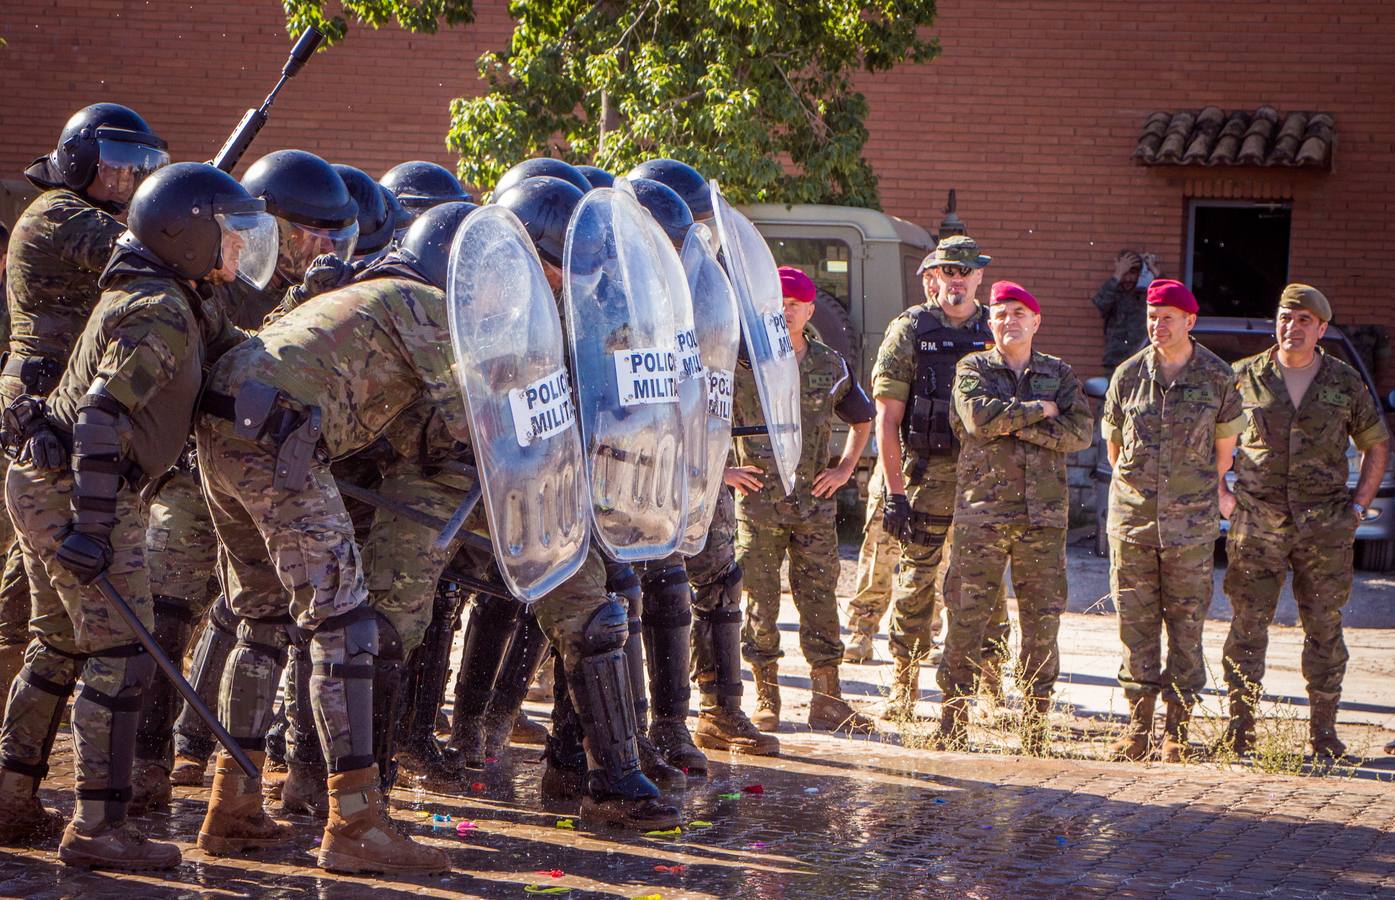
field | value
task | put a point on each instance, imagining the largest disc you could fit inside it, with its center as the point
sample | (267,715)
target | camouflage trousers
(286,557)
(1322,579)
(714,575)
(764,538)
(876,565)
(1156,589)
(978,554)
(14,584)
(919,584)
(181,554)
(77,635)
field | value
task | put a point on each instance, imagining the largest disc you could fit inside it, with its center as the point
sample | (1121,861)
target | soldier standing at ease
(1170,421)
(1291,509)
(1017,413)
(911,385)
(803,524)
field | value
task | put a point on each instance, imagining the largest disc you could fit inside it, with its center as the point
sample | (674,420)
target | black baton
(176,677)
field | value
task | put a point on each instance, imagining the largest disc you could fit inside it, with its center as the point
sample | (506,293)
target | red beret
(1170,292)
(796,285)
(1003,291)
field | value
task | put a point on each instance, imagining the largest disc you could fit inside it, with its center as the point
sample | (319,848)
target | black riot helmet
(544,205)
(312,206)
(538,167)
(667,208)
(426,246)
(598,177)
(376,220)
(401,218)
(193,218)
(420,185)
(686,182)
(107,141)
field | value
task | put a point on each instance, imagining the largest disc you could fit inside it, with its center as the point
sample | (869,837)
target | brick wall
(1031,112)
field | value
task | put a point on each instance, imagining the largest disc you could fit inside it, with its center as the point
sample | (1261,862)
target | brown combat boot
(722,725)
(828,711)
(767,716)
(1239,734)
(235,822)
(526,731)
(1036,725)
(304,792)
(858,649)
(905,691)
(1175,730)
(23,820)
(361,837)
(150,787)
(1136,742)
(118,845)
(990,680)
(675,742)
(188,771)
(954,724)
(1322,726)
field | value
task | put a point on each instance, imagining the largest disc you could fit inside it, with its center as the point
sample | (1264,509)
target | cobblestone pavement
(840,818)
(870,817)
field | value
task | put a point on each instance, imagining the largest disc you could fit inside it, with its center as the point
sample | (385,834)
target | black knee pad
(606,630)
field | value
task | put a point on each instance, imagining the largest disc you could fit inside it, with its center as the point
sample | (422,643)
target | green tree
(413,15)
(757,93)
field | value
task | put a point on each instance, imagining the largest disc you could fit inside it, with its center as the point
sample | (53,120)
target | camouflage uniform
(801,525)
(1293,511)
(930,488)
(58,247)
(364,353)
(1163,513)
(1012,505)
(148,344)
(1125,320)
(876,564)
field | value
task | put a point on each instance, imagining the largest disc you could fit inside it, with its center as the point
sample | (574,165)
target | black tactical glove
(44,450)
(896,516)
(85,555)
(326,273)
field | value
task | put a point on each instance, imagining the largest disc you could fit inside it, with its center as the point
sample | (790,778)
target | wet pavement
(836,817)
(869,817)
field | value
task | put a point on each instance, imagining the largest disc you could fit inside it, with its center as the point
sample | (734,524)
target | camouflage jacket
(824,382)
(1125,321)
(148,339)
(1163,493)
(1291,464)
(58,249)
(1012,466)
(362,354)
(894,373)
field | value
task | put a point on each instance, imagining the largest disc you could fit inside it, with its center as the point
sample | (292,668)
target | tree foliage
(413,15)
(757,93)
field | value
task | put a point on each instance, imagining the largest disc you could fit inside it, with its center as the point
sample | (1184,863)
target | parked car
(1234,339)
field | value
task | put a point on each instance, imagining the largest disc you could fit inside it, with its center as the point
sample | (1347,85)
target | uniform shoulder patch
(968,381)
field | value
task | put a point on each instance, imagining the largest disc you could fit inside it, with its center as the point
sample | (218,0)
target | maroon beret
(1003,291)
(1170,292)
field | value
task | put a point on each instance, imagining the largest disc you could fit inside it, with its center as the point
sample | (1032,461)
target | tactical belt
(280,422)
(39,374)
(261,412)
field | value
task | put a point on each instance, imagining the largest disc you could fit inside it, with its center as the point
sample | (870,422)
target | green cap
(958,250)
(1305,296)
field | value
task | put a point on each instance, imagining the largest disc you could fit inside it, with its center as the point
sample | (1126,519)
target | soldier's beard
(953,299)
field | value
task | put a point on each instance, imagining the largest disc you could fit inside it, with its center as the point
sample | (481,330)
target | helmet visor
(249,246)
(300,244)
(123,165)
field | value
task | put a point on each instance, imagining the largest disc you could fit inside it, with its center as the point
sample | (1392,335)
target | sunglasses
(952,270)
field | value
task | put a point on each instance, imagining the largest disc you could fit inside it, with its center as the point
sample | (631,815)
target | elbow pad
(98,467)
(856,407)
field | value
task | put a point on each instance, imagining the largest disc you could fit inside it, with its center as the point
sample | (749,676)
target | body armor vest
(938,349)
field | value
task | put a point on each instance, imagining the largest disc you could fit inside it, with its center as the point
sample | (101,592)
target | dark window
(1237,256)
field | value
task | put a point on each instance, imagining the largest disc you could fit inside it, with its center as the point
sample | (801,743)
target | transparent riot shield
(753,275)
(718,328)
(512,366)
(692,379)
(620,322)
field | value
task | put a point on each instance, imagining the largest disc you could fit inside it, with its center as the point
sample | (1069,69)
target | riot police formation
(306,426)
